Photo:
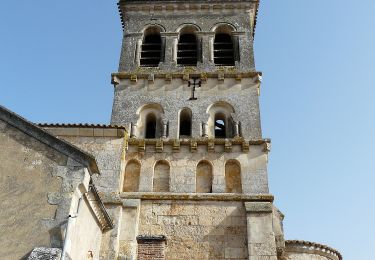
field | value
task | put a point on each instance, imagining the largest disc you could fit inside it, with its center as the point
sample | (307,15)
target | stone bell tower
(196,163)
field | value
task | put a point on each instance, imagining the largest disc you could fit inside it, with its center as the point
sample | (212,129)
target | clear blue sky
(317,98)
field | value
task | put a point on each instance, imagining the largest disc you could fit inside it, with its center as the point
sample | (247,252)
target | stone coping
(301,246)
(117,198)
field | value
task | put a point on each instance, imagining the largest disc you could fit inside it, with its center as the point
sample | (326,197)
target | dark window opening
(223,50)
(185,123)
(187,50)
(220,131)
(150,126)
(151,50)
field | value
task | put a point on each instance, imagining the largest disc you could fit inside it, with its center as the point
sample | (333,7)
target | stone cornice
(183,6)
(185,75)
(193,143)
(300,246)
(118,198)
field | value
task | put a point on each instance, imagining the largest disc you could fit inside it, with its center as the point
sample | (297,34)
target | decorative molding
(144,73)
(118,198)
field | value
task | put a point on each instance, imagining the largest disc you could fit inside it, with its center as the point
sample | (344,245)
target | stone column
(261,241)
(133,129)
(236,129)
(165,129)
(204,129)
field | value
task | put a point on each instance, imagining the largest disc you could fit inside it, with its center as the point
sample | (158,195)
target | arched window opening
(187,50)
(233,177)
(131,177)
(150,126)
(151,53)
(185,123)
(220,126)
(161,177)
(204,177)
(223,50)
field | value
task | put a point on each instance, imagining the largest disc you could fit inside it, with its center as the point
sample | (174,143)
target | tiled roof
(81,125)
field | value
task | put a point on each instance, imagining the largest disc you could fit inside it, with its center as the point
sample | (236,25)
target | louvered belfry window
(223,50)
(151,53)
(187,50)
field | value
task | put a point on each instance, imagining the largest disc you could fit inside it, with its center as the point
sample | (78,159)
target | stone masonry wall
(26,181)
(197,229)
(131,97)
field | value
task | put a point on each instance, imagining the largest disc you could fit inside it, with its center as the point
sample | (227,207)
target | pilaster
(260,236)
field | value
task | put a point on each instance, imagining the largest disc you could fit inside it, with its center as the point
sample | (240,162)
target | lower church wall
(197,230)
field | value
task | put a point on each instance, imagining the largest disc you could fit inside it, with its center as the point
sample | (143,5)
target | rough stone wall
(174,96)
(26,181)
(197,230)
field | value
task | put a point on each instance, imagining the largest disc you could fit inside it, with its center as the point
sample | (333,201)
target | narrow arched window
(161,177)
(233,177)
(151,53)
(203,182)
(150,126)
(220,125)
(223,50)
(185,123)
(187,50)
(131,176)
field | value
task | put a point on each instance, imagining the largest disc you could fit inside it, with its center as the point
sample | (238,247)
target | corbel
(266,147)
(211,146)
(168,78)
(203,77)
(176,145)
(220,76)
(185,77)
(133,78)
(193,146)
(245,147)
(228,146)
(141,145)
(151,78)
(159,146)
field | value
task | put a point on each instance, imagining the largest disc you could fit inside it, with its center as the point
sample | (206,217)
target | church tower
(194,182)
(188,90)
